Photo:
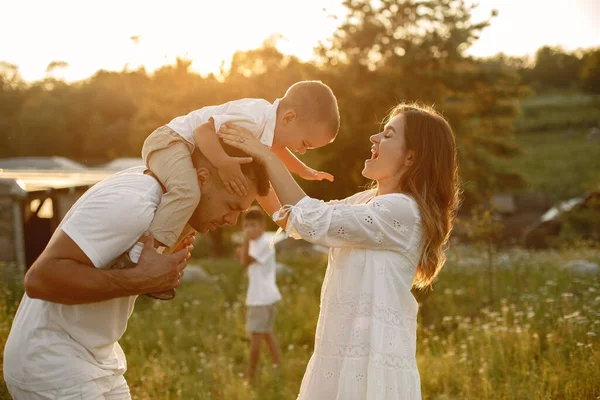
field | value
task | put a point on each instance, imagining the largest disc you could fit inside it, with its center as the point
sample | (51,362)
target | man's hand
(157,273)
(232,176)
(313,175)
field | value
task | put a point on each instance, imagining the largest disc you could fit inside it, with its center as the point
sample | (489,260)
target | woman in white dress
(383,242)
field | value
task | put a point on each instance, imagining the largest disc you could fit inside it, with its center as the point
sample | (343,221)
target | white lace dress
(366,334)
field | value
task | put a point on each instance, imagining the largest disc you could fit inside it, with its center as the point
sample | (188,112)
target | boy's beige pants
(169,157)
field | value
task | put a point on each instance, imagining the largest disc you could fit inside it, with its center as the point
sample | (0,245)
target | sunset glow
(114,34)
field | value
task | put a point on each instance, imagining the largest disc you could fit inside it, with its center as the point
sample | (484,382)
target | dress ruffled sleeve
(386,222)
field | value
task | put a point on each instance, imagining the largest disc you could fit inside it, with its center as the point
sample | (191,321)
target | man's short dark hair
(254,214)
(254,171)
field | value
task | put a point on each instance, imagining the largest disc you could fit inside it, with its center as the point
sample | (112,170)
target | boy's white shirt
(53,346)
(262,279)
(257,115)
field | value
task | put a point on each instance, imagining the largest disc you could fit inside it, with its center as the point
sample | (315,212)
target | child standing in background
(258,256)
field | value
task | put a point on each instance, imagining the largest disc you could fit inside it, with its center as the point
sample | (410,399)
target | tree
(395,50)
(53,66)
(112,100)
(556,68)
(264,72)
(171,91)
(590,71)
(12,96)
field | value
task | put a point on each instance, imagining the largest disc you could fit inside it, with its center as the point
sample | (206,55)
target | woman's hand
(241,138)
(285,186)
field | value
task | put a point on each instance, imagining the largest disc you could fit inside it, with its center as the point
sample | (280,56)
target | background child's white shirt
(53,346)
(262,279)
(257,115)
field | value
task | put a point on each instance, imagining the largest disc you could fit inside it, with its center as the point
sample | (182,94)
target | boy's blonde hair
(313,101)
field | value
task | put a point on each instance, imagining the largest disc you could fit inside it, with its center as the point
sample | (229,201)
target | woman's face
(390,157)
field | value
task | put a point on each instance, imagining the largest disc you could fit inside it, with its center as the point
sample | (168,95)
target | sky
(97,35)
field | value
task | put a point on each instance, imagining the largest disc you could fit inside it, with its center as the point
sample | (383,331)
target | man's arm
(64,274)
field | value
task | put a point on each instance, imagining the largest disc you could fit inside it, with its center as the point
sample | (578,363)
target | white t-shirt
(262,285)
(257,115)
(55,345)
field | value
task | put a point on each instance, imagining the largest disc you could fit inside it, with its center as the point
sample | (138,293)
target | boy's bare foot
(188,242)
(130,258)
(168,295)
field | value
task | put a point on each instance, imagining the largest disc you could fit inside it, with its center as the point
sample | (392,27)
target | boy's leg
(174,168)
(273,347)
(168,156)
(254,318)
(268,324)
(187,231)
(254,355)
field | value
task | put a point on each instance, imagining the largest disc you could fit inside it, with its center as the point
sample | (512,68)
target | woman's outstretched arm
(286,188)
(387,222)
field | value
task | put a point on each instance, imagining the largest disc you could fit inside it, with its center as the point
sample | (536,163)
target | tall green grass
(538,338)
(557,156)
(557,163)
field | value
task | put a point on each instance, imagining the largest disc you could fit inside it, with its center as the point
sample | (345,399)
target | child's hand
(313,175)
(232,176)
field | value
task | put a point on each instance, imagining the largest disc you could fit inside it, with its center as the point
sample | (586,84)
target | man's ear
(288,116)
(204,176)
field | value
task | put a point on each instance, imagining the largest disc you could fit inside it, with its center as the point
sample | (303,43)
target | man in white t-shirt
(63,342)
(259,257)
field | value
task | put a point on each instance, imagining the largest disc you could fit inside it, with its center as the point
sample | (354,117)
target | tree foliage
(384,52)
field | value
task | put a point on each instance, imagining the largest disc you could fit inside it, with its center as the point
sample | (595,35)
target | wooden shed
(32,204)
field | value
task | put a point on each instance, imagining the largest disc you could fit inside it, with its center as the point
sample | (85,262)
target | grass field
(554,163)
(557,155)
(538,338)
(559,111)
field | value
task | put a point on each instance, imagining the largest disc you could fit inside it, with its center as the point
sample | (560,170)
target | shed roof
(36,180)
(41,163)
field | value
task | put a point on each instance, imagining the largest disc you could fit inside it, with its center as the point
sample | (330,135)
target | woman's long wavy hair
(433,181)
